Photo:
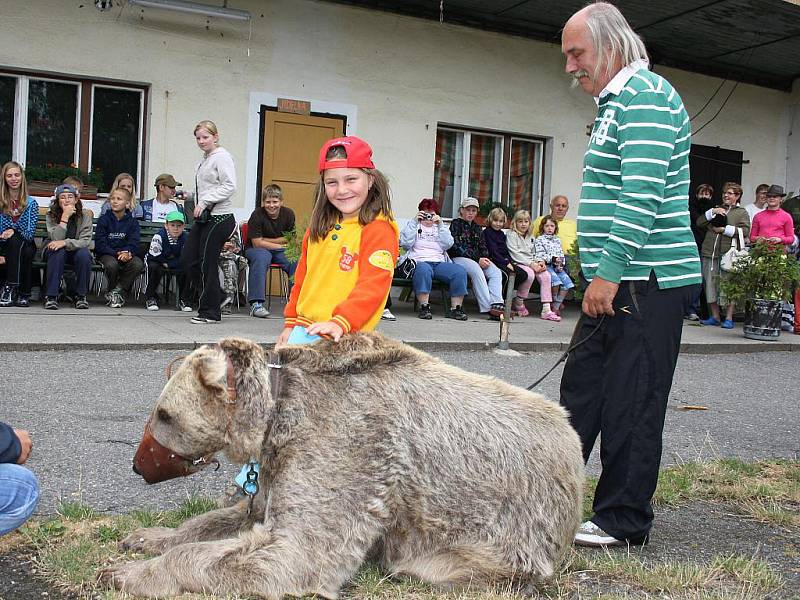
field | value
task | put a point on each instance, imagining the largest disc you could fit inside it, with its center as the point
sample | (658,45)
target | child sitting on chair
(165,253)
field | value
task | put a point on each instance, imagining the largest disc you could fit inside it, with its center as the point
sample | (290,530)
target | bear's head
(213,401)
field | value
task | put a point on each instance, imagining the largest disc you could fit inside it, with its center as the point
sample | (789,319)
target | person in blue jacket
(19,489)
(116,242)
(165,253)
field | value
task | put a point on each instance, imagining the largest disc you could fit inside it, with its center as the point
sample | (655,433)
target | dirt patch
(20,578)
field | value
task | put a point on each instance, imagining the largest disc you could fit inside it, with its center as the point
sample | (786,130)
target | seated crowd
(76,244)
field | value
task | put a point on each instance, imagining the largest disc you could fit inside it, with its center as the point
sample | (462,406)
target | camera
(426,216)
(180,195)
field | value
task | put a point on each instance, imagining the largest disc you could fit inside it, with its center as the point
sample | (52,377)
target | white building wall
(396,78)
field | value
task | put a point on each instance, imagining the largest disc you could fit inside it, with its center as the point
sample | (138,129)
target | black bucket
(762,319)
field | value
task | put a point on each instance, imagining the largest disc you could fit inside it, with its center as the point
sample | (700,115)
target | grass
(768,491)
(71,547)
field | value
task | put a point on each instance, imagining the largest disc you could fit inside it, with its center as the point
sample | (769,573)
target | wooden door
(291,152)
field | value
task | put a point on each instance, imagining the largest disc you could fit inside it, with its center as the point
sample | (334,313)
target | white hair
(613,38)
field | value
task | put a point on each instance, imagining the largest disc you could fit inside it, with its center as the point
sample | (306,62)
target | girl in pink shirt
(773,224)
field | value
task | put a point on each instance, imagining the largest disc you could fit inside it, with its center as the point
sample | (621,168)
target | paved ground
(134,327)
(86,410)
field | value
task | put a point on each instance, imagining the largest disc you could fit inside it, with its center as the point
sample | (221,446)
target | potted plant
(762,281)
(43,180)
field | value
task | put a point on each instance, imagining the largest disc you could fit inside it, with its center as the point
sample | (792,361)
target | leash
(573,346)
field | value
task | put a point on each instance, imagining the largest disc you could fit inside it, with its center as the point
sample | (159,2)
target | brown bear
(368,449)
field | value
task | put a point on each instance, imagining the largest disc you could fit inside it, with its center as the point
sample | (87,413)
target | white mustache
(578,74)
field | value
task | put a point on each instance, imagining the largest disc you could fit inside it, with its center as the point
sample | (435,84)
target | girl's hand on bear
(329,329)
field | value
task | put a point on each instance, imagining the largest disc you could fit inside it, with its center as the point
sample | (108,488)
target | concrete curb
(426,346)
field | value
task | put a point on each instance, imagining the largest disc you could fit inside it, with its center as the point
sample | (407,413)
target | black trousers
(200,258)
(19,262)
(155,272)
(121,274)
(616,385)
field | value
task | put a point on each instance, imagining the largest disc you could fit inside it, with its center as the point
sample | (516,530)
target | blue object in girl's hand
(299,336)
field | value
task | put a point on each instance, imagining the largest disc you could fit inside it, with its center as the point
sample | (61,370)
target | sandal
(550,316)
(521,311)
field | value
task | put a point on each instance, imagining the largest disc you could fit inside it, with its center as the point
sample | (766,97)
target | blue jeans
(19,493)
(81,261)
(450,273)
(260,259)
(560,278)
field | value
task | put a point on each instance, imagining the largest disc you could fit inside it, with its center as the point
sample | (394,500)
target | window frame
(140,147)
(502,164)
(84,118)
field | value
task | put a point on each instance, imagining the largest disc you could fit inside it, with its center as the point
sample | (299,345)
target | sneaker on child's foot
(7,296)
(425,311)
(81,303)
(50,303)
(257,310)
(185,307)
(151,304)
(457,313)
(387,315)
(23,301)
(117,299)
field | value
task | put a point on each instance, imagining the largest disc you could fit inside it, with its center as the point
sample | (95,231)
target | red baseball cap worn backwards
(359,154)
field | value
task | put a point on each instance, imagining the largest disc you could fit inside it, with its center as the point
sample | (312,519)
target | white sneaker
(590,534)
(387,315)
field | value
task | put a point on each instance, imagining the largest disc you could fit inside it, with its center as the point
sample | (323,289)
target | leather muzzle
(155,462)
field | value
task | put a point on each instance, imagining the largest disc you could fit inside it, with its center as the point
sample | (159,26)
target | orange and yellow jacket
(346,277)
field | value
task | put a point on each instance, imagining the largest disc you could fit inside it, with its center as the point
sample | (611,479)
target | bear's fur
(370,449)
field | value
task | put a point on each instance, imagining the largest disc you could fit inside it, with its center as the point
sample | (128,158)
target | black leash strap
(573,345)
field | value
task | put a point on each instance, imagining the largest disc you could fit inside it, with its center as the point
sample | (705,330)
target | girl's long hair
(5,191)
(115,185)
(325,215)
(56,211)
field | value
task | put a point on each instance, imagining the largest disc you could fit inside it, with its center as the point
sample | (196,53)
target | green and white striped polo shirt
(633,216)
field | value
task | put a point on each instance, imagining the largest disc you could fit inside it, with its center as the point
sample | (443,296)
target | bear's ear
(210,373)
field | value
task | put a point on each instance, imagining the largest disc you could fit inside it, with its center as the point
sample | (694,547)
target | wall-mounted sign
(298,107)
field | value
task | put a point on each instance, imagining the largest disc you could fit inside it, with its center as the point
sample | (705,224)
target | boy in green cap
(165,253)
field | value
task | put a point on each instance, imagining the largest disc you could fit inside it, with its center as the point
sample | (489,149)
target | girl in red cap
(349,251)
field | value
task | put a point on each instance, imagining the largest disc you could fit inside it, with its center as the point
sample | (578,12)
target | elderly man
(640,259)
(567,228)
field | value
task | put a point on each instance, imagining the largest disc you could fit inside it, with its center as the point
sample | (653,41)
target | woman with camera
(214,222)
(427,238)
(725,226)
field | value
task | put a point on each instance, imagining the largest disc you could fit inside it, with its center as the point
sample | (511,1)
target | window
(116,123)
(48,121)
(52,123)
(8,90)
(493,167)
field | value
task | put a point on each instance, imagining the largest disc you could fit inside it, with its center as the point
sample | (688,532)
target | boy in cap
(165,253)
(156,209)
